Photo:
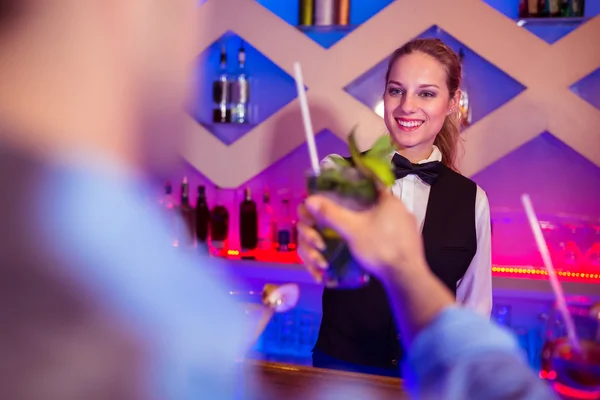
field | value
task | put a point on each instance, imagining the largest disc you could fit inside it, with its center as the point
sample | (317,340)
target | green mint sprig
(375,164)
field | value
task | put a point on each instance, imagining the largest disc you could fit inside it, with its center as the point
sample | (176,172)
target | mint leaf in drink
(381,169)
(382,148)
(340,161)
(375,164)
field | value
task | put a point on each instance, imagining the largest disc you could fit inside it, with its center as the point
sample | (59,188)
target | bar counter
(263,380)
(521,303)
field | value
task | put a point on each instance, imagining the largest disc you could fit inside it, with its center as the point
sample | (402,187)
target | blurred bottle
(240,90)
(285,226)
(222,91)
(342,12)
(202,219)
(306,13)
(219,222)
(187,230)
(248,222)
(464,103)
(267,233)
(168,209)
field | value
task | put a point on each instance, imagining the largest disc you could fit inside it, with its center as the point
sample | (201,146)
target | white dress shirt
(474,290)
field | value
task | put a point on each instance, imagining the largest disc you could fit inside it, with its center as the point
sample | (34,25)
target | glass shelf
(326,28)
(227,125)
(551,21)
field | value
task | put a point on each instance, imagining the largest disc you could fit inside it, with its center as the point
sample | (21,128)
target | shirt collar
(436,155)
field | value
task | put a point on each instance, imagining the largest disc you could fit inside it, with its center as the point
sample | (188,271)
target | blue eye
(394,91)
(428,94)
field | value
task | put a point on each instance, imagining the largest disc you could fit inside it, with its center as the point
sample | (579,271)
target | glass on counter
(573,375)
(260,305)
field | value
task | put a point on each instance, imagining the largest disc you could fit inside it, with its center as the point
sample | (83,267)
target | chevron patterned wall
(535,90)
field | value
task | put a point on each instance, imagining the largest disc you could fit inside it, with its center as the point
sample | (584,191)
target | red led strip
(529,272)
(542,273)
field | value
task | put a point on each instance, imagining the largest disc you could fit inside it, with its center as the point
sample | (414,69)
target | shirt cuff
(455,334)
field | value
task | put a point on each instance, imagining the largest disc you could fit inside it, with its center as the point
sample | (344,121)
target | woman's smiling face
(416,103)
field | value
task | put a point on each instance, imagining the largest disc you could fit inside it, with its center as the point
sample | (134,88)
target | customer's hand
(310,244)
(384,239)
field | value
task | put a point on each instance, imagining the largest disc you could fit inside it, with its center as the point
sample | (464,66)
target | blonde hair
(448,139)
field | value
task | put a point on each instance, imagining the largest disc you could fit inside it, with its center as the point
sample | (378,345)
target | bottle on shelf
(222,91)
(186,231)
(342,12)
(523,11)
(202,219)
(552,8)
(267,232)
(529,9)
(324,12)
(574,8)
(284,226)
(240,90)
(464,103)
(168,209)
(219,223)
(248,222)
(306,13)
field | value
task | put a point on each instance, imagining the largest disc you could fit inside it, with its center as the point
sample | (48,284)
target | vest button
(394,362)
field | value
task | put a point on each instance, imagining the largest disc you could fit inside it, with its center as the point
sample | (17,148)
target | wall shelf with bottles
(237,88)
(551,9)
(325,21)
(550,20)
(258,231)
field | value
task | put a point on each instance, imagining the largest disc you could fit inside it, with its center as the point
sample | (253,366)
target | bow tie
(428,171)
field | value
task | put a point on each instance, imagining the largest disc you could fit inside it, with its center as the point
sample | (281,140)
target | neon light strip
(516,270)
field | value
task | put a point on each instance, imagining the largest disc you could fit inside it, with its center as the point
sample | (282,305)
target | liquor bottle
(284,226)
(306,13)
(222,91)
(219,222)
(465,112)
(533,8)
(342,12)
(248,222)
(168,210)
(186,231)
(523,9)
(202,219)
(553,8)
(240,90)
(324,12)
(267,232)
(577,8)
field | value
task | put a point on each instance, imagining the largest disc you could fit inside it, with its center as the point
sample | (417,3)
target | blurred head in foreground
(92,306)
(96,75)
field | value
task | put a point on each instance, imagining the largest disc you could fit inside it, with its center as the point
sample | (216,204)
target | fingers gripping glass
(349,188)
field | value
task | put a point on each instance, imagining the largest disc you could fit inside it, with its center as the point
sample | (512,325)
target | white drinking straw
(308,129)
(554,282)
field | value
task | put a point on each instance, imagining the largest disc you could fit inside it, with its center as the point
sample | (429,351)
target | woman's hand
(310,244)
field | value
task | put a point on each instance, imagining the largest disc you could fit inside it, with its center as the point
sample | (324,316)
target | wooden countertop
(264,380)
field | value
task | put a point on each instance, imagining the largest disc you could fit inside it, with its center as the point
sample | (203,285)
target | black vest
(357,325)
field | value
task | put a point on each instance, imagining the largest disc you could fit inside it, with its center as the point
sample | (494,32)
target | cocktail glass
(350,188)
(571,374)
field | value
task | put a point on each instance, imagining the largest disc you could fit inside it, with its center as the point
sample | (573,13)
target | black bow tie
(428,171)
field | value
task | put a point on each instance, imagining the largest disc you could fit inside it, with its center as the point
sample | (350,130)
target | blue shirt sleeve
(461,355)
(116,246)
